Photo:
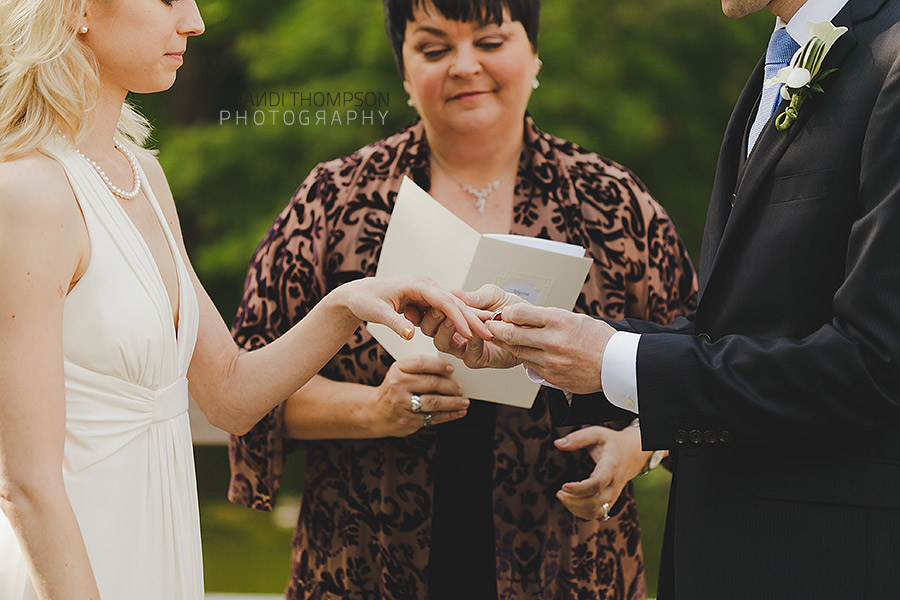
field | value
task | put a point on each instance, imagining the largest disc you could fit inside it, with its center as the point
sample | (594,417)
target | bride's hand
(401,302)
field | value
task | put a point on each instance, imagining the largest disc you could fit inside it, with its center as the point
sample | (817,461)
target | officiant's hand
(619,459)
(563,347)
(475,352)
(395,413)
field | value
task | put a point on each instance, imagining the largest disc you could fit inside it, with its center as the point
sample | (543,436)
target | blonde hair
(48,79)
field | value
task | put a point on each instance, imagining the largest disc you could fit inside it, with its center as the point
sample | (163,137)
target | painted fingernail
(562,442)
(448,369)
(408,333)
(437,314)
(449,324)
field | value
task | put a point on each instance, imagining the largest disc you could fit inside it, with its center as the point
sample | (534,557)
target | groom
(780,396)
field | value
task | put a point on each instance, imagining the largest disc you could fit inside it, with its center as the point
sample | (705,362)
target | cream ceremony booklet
(424,238)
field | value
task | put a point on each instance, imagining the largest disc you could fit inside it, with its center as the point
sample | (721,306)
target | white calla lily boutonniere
(802,75)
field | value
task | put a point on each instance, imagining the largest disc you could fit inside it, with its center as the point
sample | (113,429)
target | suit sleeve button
(733,198)
(725,437)
(710,436)
(696,436)
(680,436)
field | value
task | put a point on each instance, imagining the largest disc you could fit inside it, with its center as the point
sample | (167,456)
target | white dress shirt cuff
(618,373)
(535,378)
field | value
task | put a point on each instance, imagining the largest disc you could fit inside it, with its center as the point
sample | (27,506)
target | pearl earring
(535,84)
(83,30)
(410,103)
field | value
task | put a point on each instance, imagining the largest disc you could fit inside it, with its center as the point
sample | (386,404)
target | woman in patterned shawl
(471,505)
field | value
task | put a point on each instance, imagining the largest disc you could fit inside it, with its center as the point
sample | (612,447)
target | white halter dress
(128,465)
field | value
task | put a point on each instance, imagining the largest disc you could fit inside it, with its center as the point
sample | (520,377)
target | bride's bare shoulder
(39,213)
(36,185)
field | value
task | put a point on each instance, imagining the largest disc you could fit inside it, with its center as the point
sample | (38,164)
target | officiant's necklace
(135,173)
(480,194)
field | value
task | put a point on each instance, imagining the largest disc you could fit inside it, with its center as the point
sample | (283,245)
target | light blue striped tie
(778,55)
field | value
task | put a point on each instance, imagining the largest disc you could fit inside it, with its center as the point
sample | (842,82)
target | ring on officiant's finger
(605,515)
(497,315)
(415,403)
(428,419)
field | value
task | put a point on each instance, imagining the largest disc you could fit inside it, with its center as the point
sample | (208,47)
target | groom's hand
(564,348)
(475,352)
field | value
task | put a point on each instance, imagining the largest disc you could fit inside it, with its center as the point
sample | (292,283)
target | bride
(105,327)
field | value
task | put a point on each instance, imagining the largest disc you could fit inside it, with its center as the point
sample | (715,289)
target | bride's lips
(176,56)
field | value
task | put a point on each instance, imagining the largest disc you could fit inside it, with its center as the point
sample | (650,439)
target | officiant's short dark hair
(397,13)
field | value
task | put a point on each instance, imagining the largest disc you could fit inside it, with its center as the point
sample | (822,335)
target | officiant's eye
(433,51)
(491,43)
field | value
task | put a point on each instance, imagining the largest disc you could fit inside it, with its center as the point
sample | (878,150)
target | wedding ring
(415,403)
(605,515)
(496,315)
(427,419)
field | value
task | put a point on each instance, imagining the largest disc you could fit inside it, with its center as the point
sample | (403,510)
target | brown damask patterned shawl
(365,519)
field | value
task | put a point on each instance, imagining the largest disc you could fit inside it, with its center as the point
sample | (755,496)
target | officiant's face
(467,76)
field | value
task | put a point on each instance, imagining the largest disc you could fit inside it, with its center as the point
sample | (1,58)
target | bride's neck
(104,121)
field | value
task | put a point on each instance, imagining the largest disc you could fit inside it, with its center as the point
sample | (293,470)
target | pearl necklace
(135,174)
(481,194)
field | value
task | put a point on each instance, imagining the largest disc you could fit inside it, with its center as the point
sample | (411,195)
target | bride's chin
(153,89)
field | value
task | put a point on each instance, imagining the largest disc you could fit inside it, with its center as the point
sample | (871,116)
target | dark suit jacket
(781,393)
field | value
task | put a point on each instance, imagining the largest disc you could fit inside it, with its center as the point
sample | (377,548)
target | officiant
(410,489)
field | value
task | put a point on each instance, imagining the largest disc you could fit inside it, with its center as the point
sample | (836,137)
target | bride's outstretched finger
(427,296)
(399,303)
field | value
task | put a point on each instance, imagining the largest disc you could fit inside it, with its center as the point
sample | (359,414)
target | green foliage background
(648,83)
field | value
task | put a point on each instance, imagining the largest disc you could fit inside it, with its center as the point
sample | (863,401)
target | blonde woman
(106,328)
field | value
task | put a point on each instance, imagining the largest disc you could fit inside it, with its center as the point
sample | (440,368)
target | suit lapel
(772,143)
(731,157)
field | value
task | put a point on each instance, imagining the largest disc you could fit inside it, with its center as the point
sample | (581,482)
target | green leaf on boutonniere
(802,75)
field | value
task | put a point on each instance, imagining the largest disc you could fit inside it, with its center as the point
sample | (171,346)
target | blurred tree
(649,84)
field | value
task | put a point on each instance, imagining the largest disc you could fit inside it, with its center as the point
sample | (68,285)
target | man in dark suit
(780,396)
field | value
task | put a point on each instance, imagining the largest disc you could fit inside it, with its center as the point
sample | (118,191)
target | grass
(652,494)
(246,551)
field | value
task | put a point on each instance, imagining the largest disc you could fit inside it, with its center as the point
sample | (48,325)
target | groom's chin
(741,8)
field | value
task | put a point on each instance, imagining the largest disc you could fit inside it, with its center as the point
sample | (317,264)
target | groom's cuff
(535,378)
(618,373)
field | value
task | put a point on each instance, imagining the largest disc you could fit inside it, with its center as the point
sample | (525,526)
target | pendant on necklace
(481,194)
